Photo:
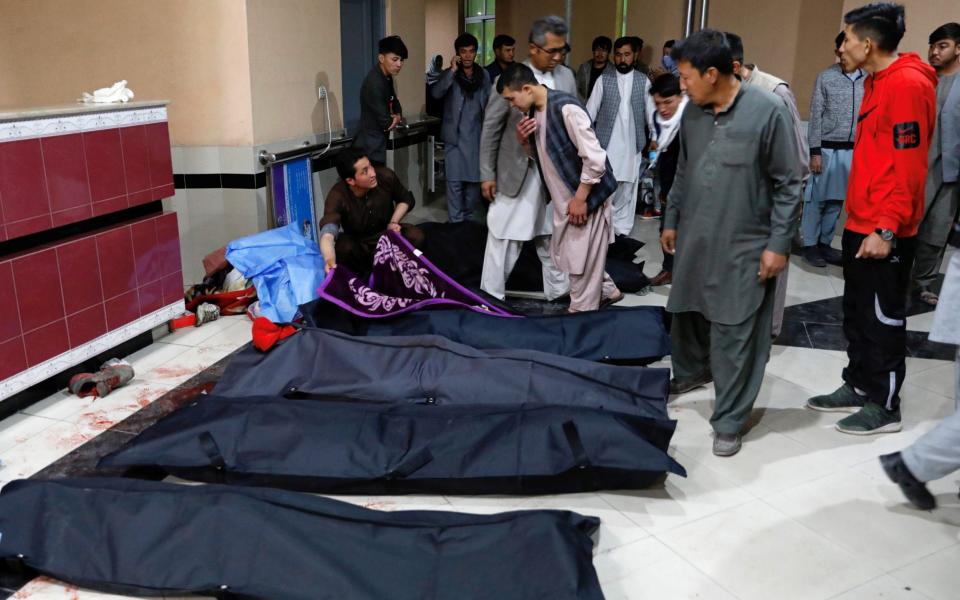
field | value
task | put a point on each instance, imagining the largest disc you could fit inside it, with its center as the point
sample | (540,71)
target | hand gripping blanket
(150,539)
(354,447)
(432,368)
(402,280)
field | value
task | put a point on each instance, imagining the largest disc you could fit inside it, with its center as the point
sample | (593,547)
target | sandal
(928,297)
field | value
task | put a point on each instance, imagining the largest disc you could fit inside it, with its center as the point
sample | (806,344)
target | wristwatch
(885,234)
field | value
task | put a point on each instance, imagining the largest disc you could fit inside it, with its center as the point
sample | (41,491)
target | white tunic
(526,215)
(622,149)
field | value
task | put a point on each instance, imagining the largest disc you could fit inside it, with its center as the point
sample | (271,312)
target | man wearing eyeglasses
(510,180)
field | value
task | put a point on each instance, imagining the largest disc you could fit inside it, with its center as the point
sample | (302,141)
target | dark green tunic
(736,194)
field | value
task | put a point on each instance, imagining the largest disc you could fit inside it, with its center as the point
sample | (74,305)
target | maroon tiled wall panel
(63,179)
(66,294)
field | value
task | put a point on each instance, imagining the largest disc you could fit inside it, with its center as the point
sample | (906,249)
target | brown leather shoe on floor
(662,278)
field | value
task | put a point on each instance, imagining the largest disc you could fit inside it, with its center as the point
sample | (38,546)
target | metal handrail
(267,158)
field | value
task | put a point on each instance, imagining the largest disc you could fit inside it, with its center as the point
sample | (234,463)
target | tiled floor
(802,512)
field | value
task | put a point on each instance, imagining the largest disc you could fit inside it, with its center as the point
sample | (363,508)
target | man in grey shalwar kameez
(942,195)
(464,88)
(937,453)
(731,216)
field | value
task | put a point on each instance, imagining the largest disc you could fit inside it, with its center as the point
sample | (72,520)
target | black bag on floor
(149,539)
(354,447)
(635,335)
(418,368)
(457,249)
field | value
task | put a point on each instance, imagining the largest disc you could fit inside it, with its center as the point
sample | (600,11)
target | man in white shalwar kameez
(621,110)
(511,181)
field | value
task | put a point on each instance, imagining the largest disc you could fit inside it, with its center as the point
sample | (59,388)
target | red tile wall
(63,179)
(67,294)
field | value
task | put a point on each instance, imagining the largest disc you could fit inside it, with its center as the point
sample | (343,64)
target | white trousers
(624,203)
(501,255)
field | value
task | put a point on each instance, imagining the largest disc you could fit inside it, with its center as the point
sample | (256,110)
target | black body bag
(355,447)
(636,335)
(432,368)
(148,539)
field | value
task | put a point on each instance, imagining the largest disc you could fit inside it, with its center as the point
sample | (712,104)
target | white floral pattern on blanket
(413,275)
(374,300)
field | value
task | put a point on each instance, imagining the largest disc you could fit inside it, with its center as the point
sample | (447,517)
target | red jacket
(889,169)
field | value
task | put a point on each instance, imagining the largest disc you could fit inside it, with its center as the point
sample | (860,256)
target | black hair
(736,46)
(639,41)
(666,85)
(704,49)
(602,41)
(669,43)
(393,44)
(838,41)
(947,31)
(628,40)
(347,162)
(515,77)
(465,40)
(503,40)
(882,22)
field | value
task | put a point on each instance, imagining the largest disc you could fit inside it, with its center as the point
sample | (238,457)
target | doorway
(362,25)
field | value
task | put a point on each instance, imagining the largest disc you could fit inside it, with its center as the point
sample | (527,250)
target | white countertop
(77,108)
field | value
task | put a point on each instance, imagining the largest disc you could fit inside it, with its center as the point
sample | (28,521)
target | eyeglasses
(550,51)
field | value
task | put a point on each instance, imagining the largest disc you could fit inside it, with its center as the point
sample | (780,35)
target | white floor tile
(205,335)
(44,588)
(868,518)
(940,379)
(883,588)
(19,428)
(818,371)
(935,576)
(23,460)
(101,413)
(679,500)
(768,463)
(649,569)
(757,552)
(921,410)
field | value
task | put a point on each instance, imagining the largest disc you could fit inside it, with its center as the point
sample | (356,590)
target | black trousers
(875,318)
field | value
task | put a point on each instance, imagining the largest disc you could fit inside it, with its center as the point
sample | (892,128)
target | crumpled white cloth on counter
(118,92)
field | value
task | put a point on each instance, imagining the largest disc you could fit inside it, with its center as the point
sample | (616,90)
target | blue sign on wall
(293,196)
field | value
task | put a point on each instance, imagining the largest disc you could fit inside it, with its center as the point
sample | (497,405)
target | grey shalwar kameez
(942,198)
(937,453)
(736,194)
(460,133)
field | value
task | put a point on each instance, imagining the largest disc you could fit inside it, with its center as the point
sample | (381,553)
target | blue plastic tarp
(286,268)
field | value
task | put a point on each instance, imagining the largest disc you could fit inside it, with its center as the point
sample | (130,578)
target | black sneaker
(871,419)
(831,255)
(914,489)
(843,399)
(682,387)
(811,255)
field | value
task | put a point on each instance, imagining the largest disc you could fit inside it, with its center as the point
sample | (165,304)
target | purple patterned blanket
(402,280)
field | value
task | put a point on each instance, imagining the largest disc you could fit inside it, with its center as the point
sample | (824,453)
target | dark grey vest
(610,106)
(564,153)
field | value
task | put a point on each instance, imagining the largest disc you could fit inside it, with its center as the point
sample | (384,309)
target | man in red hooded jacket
(884,208)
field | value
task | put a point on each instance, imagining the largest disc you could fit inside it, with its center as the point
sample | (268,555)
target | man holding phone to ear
(464,88)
